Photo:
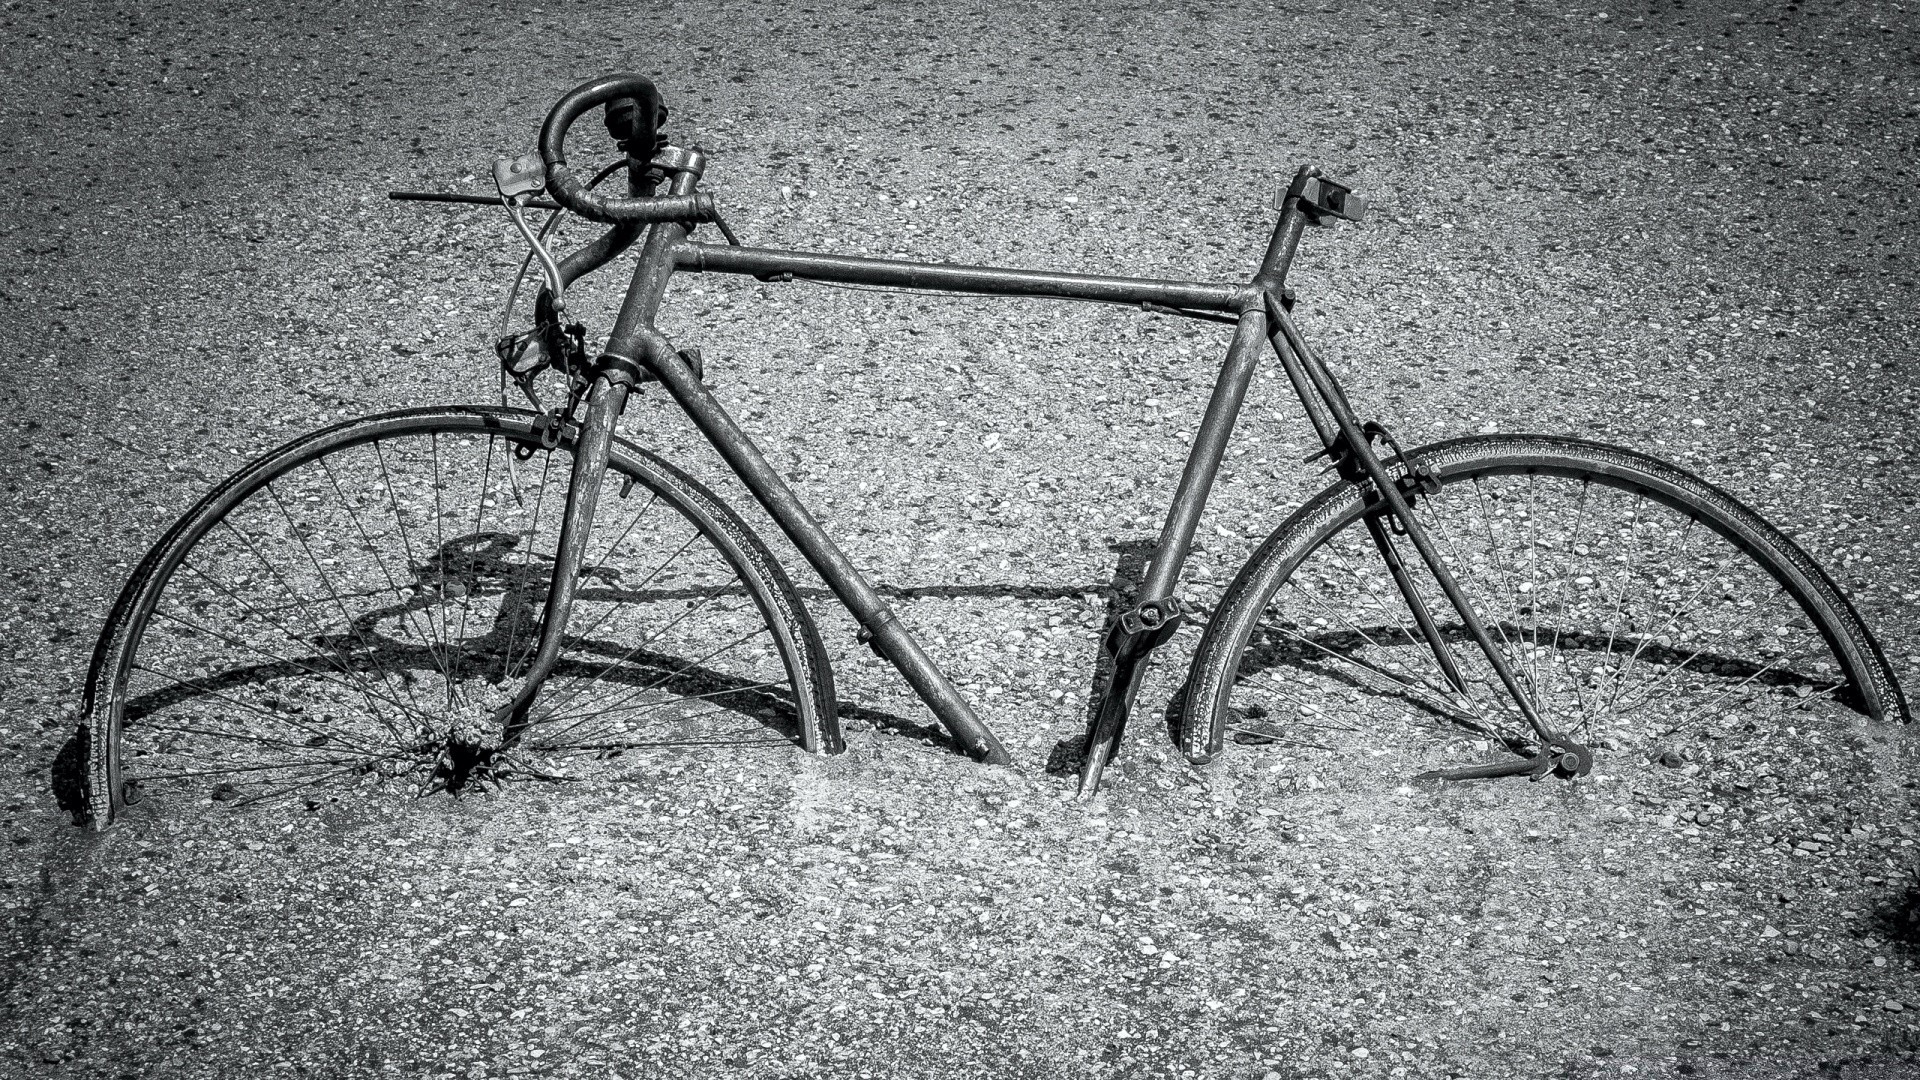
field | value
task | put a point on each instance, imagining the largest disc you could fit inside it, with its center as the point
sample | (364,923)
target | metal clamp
(1148,625)
(1413,481)
(1321,197)
(1564,758)
(549,427)
(524,175)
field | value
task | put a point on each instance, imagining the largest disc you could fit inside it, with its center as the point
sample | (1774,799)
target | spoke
(413,560)
(426,635)
(479,513)
(1619,603)
(327,584)
(351,763)
(365,688)
(652,497)
(439,552)
(1646,693)
(1386,608)
(1430,699)
(406,543)
(1783,662)
(677,699)
(526,565)
(716,739)
(661,682)
(1748,681)
(1647,638)
(333,594)
(1341,615)
(291,788)
(1533,582)
(287,660)
(145,721)
(1446,534)
(614,605)
(235,736)
(1270,738)
(1568,582)
(1506,582)
(276,624)
(576,690)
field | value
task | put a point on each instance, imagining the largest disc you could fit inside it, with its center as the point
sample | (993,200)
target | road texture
(1684,227)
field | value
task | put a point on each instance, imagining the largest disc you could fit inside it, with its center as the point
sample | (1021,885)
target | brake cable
(536,247)
(547,264)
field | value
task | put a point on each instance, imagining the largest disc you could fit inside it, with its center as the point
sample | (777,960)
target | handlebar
(635,114)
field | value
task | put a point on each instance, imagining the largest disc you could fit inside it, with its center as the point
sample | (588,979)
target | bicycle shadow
(1338,657)
(1116,592)
(381,669)
(485,564)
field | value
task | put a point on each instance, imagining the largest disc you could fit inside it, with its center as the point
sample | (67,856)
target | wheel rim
(1636,627)
(352,622)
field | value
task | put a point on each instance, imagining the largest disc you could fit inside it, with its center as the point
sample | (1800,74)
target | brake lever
(518,180)
(524,175)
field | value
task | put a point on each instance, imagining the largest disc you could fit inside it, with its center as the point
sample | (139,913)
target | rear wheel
(346,613)
(1646,611)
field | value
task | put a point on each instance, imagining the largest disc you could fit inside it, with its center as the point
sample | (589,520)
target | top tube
(774,264)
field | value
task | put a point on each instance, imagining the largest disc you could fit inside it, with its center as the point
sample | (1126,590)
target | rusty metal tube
(605,402)
(889,637)
(771,263)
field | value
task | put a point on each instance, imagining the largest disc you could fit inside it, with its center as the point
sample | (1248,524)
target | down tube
(889,637)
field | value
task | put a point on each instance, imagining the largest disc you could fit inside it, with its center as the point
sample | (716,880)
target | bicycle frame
(636,350)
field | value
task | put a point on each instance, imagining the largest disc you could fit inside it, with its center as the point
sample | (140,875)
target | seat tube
(1209,446)
(1130,653)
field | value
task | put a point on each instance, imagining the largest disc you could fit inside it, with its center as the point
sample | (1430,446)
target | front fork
(606,399)
(1357,459)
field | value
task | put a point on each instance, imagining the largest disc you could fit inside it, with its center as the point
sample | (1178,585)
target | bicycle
(426,599)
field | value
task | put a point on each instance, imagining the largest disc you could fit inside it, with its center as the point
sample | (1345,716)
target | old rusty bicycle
(417,600)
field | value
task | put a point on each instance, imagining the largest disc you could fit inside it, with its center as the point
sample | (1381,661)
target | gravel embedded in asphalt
(1688,230)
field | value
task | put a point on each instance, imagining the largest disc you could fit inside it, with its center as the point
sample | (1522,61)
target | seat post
(1286,232)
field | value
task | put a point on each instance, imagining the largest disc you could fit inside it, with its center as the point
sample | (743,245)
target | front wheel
(345,614)
(1644,610)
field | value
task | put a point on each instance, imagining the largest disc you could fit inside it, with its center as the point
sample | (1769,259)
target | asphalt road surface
(1687,228)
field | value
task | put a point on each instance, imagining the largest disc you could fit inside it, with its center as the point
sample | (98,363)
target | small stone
(1769,931)
(1892,1006)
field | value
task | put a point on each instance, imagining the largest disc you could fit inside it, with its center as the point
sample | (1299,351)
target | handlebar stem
(571,191)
